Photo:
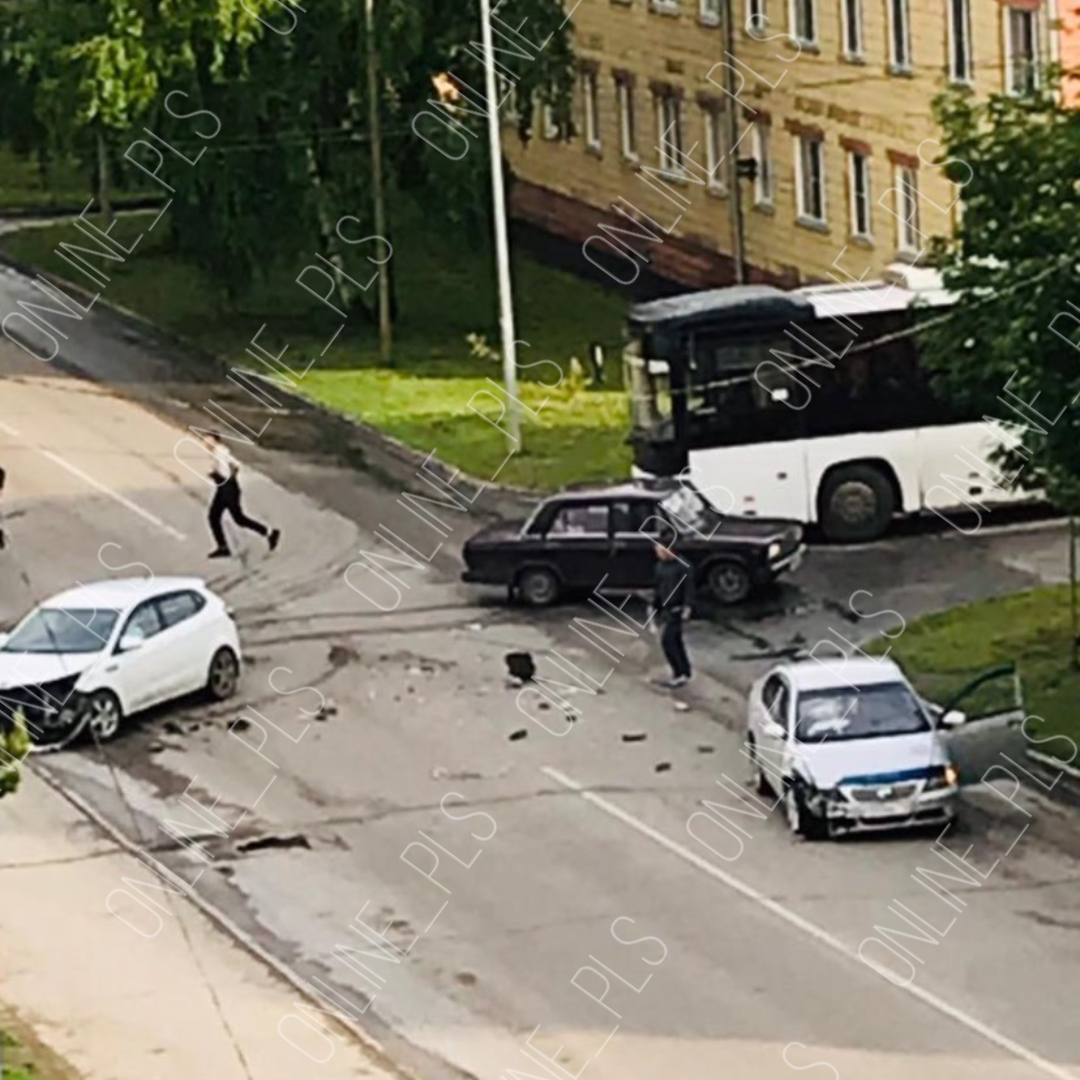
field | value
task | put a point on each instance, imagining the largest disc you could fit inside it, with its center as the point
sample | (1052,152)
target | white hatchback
(93,655)
(849,746)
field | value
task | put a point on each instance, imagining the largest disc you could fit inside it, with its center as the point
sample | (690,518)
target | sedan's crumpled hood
(34,669)
(830,764)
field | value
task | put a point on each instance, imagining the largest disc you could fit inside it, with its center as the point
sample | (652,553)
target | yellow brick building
(834,107)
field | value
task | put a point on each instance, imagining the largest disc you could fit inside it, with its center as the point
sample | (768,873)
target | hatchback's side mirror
(130,642)
(953,718)
(4,639)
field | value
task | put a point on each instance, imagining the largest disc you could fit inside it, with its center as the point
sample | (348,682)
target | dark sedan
(575,540)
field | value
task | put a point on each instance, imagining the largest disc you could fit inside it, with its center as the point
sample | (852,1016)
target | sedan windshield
(63,630)
(865,712)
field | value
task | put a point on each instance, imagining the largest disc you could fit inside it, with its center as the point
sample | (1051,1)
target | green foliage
(14,744)
(1013,264)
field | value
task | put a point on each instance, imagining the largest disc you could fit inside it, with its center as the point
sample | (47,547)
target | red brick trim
(589,67)
(806,131)
(758,116)
(712,102)
(1023,5)
(666,89)
(855,146)
(624,77)
(907,161)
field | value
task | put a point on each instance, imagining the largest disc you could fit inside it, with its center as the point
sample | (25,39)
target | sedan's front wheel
(104,715)
(729,582)
(538,586)
(224,674)
(800,820)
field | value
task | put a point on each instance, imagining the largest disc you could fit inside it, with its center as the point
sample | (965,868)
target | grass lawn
(23,186)
(445,293)
(1032,629)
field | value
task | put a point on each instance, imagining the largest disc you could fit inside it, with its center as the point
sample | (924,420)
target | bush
(14,746)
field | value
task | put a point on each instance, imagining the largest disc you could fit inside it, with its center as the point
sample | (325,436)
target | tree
(1010,347)
(14,746)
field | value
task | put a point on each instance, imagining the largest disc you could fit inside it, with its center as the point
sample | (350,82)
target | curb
(223,922)
(69,210)
(382,454)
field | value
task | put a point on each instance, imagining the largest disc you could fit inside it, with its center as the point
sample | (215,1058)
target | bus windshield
(648,383)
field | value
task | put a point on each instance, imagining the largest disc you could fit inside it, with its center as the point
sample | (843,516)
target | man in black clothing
(227,500)
(673,601)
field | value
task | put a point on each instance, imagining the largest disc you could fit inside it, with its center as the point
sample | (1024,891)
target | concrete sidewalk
(184,1002)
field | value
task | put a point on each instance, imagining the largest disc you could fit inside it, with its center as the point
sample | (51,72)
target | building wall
(862,104)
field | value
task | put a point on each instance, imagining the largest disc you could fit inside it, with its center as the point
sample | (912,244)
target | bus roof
(901,288)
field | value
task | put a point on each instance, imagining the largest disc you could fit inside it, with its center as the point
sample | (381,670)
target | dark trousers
(227,500)
(671,641)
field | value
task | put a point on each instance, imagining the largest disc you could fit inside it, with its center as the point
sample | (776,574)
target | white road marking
(935,1002)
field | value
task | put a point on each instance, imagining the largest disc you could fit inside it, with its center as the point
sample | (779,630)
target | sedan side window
(580,519)
(145,621)
(176,607)
(637,517)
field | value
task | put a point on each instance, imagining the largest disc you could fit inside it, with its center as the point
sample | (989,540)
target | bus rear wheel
(857,503)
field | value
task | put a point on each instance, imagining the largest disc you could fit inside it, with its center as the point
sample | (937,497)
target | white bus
(809,405)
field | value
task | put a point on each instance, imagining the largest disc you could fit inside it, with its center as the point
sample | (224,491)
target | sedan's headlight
(946,777)
(775,549)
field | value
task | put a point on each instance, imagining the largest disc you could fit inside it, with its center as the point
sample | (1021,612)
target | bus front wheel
(857,503)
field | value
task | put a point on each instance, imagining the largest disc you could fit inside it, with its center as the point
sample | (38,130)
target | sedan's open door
(982,721)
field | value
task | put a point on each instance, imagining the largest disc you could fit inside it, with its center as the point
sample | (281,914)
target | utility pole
(738,234)
(502,246)
(385,339)
(104,181)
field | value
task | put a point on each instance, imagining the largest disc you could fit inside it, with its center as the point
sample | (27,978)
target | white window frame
(624,94)
(714,120)
(763,181)
(1036,43)
(804,215)
(851,19)
(793,15)
(854,158)
(590,101)
(667,7)
(709,12)
(963,78)
(906,185)
(549,129)
(672,166)
(755,17)
(900,37)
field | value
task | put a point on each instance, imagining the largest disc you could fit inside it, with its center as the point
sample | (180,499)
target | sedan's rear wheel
(104,715)
(224,674)
(538,586)
(729,582)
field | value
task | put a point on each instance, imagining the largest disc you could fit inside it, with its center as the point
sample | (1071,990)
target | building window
(755,16)
(810,178)
(860,194)
(907,211)
(591,95)
(624,91)
(669,130)
(900,35)
(804,21)
(1021,50)
(763,185)
(715,143)
(709,11)
(549,126)
(671,7)
(853,39)
(960,41)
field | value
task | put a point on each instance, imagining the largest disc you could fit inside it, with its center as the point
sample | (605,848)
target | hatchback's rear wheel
(224,674)
(104,715)
(538,586)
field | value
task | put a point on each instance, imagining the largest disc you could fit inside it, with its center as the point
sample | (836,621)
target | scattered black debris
(401,925)
(194,728)
(663,766)
(520,665)
(843,610)
(706,749)
(410,689)
(570,717)
(156,747)
(264,843)
(172,727)
(798,639)
(241,725)
(543,705)
(340,655)
(519,734)
(466,978)
(428,669)
(635,736)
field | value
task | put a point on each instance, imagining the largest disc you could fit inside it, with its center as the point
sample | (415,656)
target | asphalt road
(743,946)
